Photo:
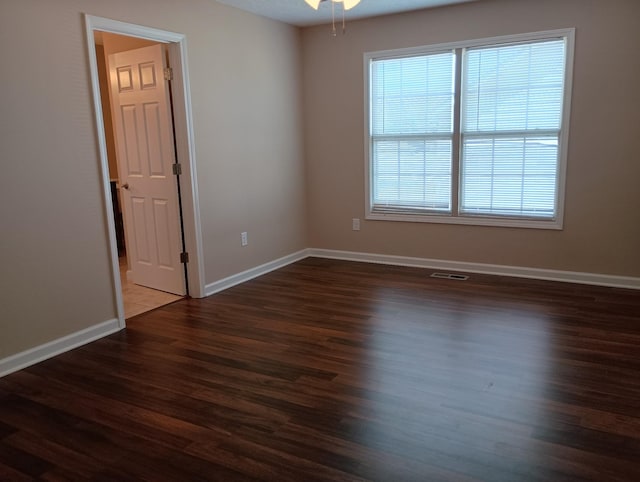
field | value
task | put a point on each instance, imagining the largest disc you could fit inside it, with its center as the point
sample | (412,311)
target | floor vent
(460,277)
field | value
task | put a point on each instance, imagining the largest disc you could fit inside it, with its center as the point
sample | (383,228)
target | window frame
(455,216)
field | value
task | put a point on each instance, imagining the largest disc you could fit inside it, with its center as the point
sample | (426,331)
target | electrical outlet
(243,238)
(355,224)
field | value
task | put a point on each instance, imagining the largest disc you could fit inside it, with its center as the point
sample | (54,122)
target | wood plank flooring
(333,370)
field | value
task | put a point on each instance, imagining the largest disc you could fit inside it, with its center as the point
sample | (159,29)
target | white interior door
(144,138)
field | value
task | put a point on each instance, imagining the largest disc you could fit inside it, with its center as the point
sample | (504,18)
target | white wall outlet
(244,240)
(355,224)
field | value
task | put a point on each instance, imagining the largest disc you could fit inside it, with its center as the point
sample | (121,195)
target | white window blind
(411,132)
(512,98)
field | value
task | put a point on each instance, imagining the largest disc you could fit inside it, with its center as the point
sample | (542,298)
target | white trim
(252,273)
(183,121)
(481,268)
(457,217)
(471,220)
(56,347)
(104,164)
(87,335)
(563,155)
(479,42)
(186,156)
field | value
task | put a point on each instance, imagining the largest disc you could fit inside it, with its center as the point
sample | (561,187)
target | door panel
(148,75)
(139,228)
(131,160)
(144,139)
(157,163)
(161,223)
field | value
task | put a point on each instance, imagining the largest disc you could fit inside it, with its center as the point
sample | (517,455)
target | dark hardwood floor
(332,370)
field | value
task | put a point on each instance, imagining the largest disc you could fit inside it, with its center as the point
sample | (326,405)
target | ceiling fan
(346,4)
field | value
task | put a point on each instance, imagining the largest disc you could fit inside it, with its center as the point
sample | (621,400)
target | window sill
(555,224)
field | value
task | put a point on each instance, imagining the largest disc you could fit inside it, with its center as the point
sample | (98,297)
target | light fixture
(346,5)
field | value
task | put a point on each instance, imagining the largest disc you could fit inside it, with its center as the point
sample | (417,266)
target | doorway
(157,285)
(135,298)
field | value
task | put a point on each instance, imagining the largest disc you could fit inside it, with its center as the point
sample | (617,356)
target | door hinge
(168,73)
(177,169)
(184,257)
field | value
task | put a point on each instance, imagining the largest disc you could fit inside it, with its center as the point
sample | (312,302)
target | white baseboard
(56,347)
(495,269)
(249,274)
(34,355)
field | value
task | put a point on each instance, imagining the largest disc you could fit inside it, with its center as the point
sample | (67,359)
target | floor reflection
(464,377)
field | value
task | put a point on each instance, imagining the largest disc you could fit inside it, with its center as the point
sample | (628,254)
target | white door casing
(146,154)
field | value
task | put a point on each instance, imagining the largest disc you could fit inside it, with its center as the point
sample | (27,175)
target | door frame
(185,147)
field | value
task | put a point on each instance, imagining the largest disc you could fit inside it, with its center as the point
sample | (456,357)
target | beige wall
(602,227)
(244,72)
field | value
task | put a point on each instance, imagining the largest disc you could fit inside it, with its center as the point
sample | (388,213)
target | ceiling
(297,12)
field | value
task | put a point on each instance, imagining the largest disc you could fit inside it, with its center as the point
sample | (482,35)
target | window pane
(514,87)
(411,130)
(412,95)
(412,173)
(510,92)
(513,176)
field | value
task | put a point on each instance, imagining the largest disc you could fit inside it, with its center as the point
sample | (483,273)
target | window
(471,132)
